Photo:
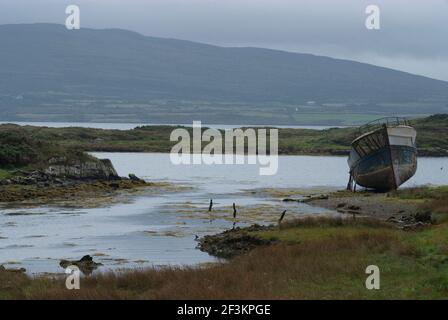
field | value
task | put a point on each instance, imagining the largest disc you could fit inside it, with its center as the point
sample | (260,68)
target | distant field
(343,119)
(23,145)
(79,110)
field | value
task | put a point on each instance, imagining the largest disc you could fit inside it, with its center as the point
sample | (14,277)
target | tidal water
(159,228)
(129,126)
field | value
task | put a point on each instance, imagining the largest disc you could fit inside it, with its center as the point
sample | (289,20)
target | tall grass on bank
(320,259)
(431,199)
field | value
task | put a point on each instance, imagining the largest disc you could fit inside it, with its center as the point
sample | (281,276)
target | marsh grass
(5,174)
(422,193)
(323,258)
(430,199)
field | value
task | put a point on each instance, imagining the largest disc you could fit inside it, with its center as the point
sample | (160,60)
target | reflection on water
(293,172)
(160,229)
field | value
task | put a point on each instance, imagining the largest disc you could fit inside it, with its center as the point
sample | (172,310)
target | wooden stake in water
(281,217)
(234,210)
(210,207)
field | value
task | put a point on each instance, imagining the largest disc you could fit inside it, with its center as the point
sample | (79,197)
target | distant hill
(50,73)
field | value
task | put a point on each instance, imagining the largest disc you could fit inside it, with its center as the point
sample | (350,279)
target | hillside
(50,73)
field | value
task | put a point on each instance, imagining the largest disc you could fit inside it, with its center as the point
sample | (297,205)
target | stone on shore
(232,242)
(86,264)
(134,178)
(100,169)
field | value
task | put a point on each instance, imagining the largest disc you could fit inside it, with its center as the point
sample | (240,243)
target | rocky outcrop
(232,242)
(20,270)
(307,199)
(86,264)
(96,169)
(134,178)
(61,171)
(417,221)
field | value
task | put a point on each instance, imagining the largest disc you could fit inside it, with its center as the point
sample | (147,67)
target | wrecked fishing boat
(384,155)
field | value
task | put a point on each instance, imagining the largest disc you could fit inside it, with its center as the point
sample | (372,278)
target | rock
(424,216)
(290,200)
(354,208)
(341,205)
(413,226)
(392,219)
(134,178)
(406,219)
(232,242)
(56,160)
(97,169)
(312,198)
(114,185)
(21,270)
(86,264)
(58,181)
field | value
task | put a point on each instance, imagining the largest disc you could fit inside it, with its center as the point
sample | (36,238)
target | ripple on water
(119,229)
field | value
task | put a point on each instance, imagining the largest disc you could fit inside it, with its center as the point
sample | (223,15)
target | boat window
(370,143)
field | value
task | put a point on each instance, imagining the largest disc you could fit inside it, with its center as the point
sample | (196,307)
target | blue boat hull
(387,168)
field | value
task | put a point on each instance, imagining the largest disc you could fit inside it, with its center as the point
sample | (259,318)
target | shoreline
(308,142)
(86,194)
(386,209)
(291,251)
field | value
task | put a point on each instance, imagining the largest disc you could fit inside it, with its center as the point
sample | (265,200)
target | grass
(423,193)
(85,194)
(431,199)
(25,149)
(5,174)
(310,229)
(316,259)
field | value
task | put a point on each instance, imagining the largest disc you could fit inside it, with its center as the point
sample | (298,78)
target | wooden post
(281,217)
(350,183)
(210,207)
(234,210)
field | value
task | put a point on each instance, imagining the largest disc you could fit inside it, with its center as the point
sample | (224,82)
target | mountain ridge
(45,66)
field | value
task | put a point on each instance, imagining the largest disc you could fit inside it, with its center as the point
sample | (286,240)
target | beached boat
(384,155)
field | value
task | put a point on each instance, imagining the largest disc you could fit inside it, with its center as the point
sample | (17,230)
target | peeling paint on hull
(379,171)
(378,161)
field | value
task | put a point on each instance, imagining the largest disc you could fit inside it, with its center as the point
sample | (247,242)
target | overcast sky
(413,35)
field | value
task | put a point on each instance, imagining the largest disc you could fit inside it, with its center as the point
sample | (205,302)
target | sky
(413,34)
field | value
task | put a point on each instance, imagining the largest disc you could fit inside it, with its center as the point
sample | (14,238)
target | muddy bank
(64,178)
(86,264)
(386,209)
(86,193)
(233,242)
(366,203)
(407,213)
(363,203)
